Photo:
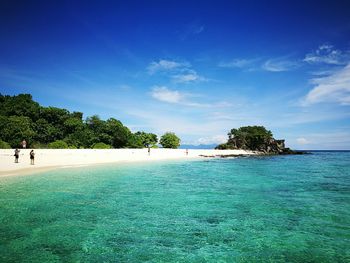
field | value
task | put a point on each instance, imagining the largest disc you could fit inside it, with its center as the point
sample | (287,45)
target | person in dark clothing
(32,154)
(16,155)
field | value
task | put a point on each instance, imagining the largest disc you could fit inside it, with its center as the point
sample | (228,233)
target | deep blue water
(260,209)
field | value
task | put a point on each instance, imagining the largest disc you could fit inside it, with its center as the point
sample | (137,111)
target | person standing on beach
(16,155)
(149,151)
(24,144)
(186,151)
(32,154)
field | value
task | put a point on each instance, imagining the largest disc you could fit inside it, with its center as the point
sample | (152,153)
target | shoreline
(50,159)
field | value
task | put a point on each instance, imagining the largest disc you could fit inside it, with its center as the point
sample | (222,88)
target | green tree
(147,139)
(223,146)
(17,128)
(100,130)
(20,105)
(3,124)
(119,133)
(142,139)
(72,125)
(55,116)
(46,132)
(4,145)
(95,124)
(101,145)
(249,137)
(82,138)
(170,140)
(59,144)
(134,141)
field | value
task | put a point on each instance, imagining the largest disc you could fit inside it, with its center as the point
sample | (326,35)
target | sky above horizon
(194,68)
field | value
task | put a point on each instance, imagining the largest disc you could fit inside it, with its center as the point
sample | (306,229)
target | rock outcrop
(256,138)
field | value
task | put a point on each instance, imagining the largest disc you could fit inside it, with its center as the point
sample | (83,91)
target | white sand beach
(46,159)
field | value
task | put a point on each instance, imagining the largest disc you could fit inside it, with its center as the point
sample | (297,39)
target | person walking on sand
(149,151)
(16,155)
(32,154)
(24,144)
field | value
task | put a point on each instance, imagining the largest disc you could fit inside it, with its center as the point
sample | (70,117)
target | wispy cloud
(280,64)
(273,65)
(166,65)
(337,140)
(192,29)
(216,139)
(323,72)
(197,29)
(327,54)
(164,94)
(180,72)
(238,63)
(332,88)
(302,141)
(186,77)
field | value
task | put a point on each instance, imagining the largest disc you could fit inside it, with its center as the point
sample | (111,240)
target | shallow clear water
(268,209)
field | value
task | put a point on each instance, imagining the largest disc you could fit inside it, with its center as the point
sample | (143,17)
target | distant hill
(201,146)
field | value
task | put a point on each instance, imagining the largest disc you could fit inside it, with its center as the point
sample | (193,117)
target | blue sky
(197,68)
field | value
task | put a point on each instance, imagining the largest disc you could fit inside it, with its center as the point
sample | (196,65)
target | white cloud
(337,140)
(332,88)
(189,76)
(328,55)
(165,65)
(279,65)
(302,141)
(167,95)
(217,139)
(273,65)
(322,72)
(238,63)
(180,72)
(186,77)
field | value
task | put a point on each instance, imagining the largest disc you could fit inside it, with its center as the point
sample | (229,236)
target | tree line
(21,118)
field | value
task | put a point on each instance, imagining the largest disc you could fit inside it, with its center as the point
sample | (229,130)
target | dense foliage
(248,137)
(21,118)
(4,145)
(59,144)
(170,140)
(101,145)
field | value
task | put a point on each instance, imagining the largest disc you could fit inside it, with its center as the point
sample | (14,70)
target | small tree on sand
(170,140)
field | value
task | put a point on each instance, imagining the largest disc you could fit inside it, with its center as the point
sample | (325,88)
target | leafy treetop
(247,137)
(170,140)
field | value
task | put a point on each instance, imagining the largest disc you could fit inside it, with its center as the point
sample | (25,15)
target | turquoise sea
(257,209)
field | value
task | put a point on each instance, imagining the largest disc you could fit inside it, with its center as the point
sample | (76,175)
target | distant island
(255,138)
